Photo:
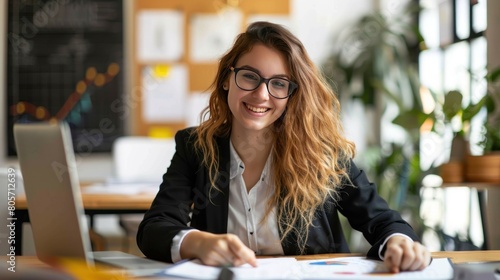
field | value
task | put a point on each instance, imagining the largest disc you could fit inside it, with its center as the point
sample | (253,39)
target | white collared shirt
(248,209)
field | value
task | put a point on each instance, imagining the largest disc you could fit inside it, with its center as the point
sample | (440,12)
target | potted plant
(455,117)
(486,167)
(491,136)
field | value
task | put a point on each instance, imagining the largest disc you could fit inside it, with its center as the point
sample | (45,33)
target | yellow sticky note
(160,132)
(161,70)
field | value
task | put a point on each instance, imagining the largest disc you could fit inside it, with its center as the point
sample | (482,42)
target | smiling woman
(269,171)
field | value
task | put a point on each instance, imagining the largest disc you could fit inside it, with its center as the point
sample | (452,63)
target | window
(455,59)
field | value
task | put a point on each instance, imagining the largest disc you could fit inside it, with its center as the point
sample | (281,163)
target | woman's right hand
(216,249)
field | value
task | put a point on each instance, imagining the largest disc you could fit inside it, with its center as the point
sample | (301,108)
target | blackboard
(65,62)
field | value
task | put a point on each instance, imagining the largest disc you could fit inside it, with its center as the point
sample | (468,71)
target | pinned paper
(164,96)
(213,34)
(160,35)
(196,103)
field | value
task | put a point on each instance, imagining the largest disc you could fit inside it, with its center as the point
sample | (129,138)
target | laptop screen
(55,206)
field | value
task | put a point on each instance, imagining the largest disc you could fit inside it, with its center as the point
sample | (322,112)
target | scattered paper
(336,268)
(360,268)
(273,268)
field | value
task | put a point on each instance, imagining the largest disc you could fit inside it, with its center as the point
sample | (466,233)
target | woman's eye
(252,77)
(278,83)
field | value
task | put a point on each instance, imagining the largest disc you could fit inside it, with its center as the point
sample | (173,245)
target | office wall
(3,84)
(493,195)
(315,22)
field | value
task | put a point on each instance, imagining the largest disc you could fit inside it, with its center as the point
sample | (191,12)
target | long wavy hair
(310,155)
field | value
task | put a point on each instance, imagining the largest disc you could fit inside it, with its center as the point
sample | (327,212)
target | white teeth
(256,110)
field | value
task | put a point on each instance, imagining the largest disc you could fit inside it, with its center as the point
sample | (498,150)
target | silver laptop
(48,165)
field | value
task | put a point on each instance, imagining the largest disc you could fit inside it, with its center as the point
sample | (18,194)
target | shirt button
(251,232)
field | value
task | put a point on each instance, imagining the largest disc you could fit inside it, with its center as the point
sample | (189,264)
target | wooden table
(93,204)
(457,257)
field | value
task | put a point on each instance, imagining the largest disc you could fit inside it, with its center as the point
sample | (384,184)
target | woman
(269,170)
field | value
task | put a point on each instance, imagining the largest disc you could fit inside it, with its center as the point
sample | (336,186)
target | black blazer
(186,183)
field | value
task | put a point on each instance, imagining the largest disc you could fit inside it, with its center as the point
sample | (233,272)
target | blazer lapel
(217,209)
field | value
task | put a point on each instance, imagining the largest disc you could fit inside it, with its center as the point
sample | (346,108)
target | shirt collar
(238,166)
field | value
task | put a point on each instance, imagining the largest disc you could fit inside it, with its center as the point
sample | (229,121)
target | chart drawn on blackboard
(65,62)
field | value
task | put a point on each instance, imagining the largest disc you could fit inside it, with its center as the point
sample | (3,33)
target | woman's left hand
(402,254)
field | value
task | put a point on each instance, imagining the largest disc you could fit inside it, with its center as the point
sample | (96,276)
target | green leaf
(470,111)
(452,104)
(493,75)
(411,120)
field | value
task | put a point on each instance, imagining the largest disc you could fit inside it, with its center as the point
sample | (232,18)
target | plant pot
(485,168)
(452,172)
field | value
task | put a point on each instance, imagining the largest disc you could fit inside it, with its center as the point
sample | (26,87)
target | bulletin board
(169,74)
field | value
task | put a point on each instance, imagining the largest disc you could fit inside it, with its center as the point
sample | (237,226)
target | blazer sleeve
(169,211)
(369,213)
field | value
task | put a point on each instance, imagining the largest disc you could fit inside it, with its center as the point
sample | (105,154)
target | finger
(242,253)
(408,256)
(221,246)
(420,256)
(247,258)
(214,258)
(427,259)
(394,253)
(390,264)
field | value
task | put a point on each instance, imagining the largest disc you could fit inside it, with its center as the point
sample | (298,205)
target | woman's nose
(262,91)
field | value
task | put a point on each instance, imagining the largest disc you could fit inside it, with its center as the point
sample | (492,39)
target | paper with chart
(362,268)
(336,268)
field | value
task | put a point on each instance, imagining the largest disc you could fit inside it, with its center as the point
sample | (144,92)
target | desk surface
(23,262)
(93,203)
(476,185)
(106,201)
(455,256)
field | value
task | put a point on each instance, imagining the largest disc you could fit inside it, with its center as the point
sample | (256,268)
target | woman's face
(256,110)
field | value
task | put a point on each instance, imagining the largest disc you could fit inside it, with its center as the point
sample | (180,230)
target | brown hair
(310,152)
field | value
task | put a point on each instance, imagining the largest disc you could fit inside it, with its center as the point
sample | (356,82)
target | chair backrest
(141,159)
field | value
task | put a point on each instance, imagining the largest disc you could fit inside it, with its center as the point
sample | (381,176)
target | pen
(226,274)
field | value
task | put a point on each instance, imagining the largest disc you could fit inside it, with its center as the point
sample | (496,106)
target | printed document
(335,268)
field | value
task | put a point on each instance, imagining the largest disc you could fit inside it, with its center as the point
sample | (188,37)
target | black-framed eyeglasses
(249,80)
